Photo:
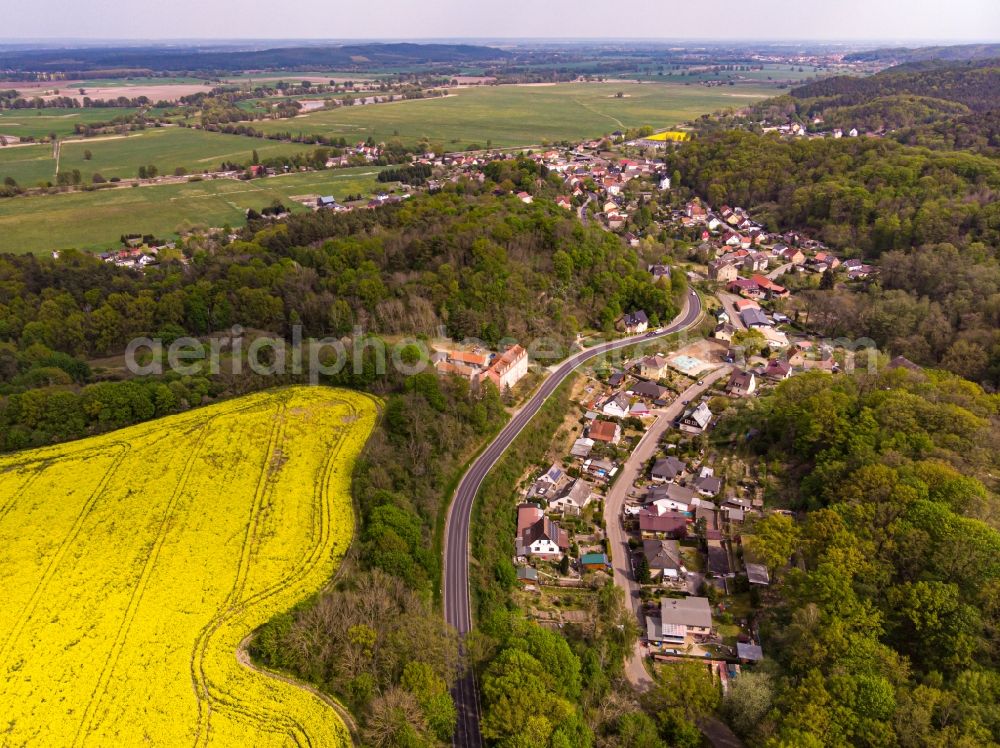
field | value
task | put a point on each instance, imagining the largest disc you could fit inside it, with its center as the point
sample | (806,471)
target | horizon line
(924,41)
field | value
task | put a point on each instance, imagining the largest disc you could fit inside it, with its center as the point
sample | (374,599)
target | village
(637,491)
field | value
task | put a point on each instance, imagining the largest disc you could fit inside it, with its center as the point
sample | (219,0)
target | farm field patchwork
(135,563)
(167,148)
(521,115)
(40,123)
(96,220)
(28,164)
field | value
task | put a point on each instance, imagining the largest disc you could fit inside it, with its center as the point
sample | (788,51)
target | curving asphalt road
(457,608)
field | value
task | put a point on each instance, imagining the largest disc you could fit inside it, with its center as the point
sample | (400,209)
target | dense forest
(937,305)
(479,267)
(976,85)
(884,625)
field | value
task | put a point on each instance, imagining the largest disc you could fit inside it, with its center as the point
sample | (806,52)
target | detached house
(636,322)
(793,255)
(508,368)
(653,367)
(695,210)
(666,525)
(544,539)
(605,431)
(617,406)
(742,383)
(777,370)
(680,619)
(724,332)
(648,390)
(659,271)
(663,557)
(667,469)
(575,499)
(696,420)
(722,271)
(754,318)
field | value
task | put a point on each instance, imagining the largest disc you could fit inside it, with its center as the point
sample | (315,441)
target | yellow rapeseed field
(675,136)
(135,564)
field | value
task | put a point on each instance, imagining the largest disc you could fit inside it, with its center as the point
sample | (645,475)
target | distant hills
(191,59)
(973,84)
(956,53)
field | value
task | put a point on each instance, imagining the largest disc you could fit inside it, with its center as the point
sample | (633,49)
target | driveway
(728,302)
(635,670)
(780,270)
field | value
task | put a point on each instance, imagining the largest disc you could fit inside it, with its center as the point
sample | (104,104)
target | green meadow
(521,115)
(40,123)
(167,148)
(27,164)
(95,220)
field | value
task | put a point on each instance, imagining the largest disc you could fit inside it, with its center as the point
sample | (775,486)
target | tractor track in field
(139,591)
(17,495)
(70,538)
(198,674)
(321,529)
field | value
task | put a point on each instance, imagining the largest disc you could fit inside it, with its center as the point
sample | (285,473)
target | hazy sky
(752,20)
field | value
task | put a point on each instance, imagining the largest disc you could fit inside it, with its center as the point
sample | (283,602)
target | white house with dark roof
(695,420)
(636,322)
(617,406)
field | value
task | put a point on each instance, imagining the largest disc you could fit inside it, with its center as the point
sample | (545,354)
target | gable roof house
(575,498)
(696,420)
(605,431)
(667,469)
(724,332)
(653,367)
(544,538)
(671,497)
(793,255)
(695,209)
(617,406)
(741,383)
(582,447)
(754,318)
(722,271)
(667,525)
(509,367)
(707,484)
(744,287)
(648,390)
(778,369)
(636,322)
(663,558)
(659,271)
(527,515)
(551,476)
(772,289)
